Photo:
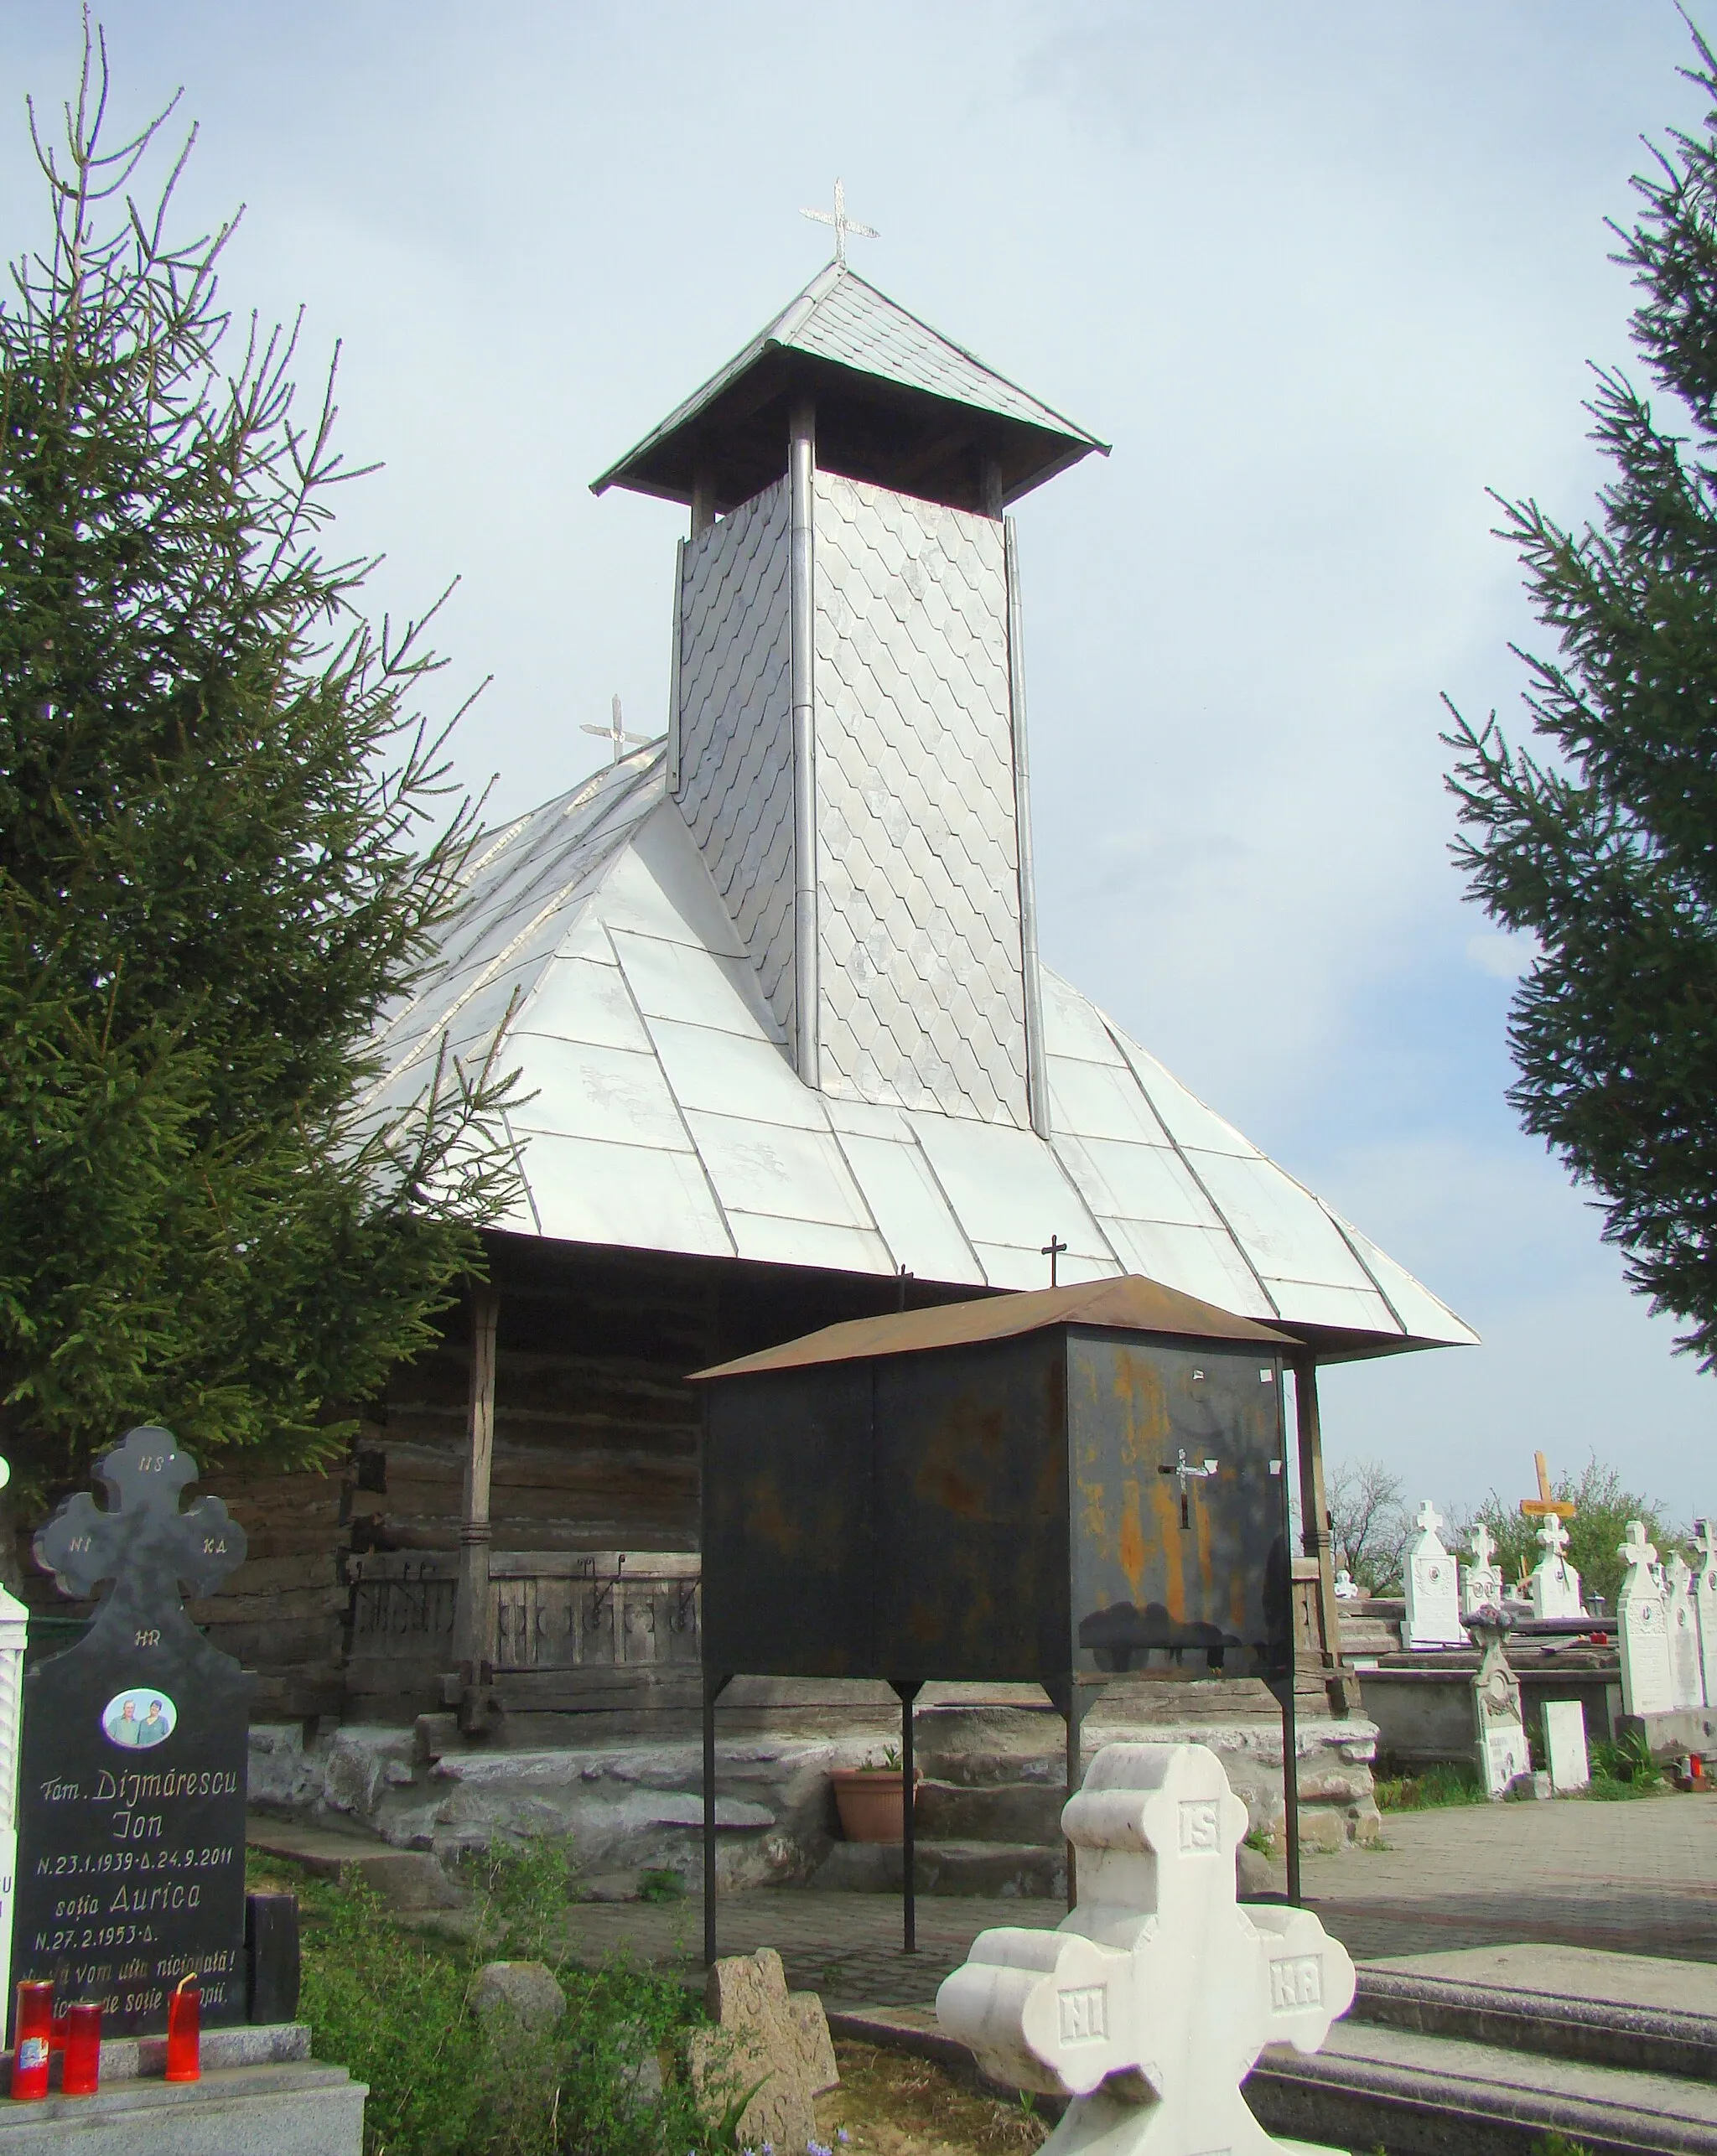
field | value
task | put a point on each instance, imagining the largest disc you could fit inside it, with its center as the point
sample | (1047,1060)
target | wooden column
(470,1623)
(702,499)
(1314,1518)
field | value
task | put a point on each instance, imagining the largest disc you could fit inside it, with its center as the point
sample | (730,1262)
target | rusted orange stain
(768,1517)
(1138,1386)
(1131,1549)
(1165,1503)
(946,1475)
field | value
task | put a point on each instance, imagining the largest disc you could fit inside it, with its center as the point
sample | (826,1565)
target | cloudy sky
(1322,273)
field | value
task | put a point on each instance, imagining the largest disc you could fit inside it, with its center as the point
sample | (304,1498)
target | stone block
(526,1990)
(769,2046)
(290,2110)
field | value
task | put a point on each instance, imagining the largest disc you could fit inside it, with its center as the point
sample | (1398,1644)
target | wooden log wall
(595,1449)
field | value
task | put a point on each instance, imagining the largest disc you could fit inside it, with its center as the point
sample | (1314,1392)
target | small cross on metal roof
(843,223)
(616,734)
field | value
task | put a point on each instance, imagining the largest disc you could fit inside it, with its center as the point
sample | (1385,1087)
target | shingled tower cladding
(848,728)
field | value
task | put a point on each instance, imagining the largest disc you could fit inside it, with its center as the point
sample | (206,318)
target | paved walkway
(1635,1877)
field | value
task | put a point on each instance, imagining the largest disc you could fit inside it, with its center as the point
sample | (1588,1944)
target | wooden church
(790,1057)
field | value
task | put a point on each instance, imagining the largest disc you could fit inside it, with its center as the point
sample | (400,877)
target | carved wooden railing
(562,1624)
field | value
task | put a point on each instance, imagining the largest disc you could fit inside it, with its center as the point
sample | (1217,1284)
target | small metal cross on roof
(843,223)
(1053,1249)
(616,734)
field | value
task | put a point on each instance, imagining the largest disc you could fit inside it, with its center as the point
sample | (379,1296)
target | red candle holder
(33,2039)
(83,2049)
(184,2025)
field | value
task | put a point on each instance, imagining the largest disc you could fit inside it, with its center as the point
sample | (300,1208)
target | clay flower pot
(870,1801)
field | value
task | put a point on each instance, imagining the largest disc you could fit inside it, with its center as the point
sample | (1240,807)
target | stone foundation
(989,1806)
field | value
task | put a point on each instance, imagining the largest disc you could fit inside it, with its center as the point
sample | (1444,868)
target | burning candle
(185,2021)
(34,2031)
(83,2048)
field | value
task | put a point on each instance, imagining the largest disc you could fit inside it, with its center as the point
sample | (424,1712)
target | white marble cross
(1150,2004)
(1499,1724)
(1705,1602)
(1433,1587)
(1481,1584)
(1687,1680)
(1555,1583)
(14,1635)
(1643,1636)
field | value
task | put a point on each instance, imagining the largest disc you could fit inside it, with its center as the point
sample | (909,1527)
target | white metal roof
(839,317)
(667,1115)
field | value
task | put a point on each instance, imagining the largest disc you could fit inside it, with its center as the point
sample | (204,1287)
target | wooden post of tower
(474,1669)
(1315,1521)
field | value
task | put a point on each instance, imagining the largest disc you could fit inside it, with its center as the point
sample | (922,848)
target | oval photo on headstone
(138,1717)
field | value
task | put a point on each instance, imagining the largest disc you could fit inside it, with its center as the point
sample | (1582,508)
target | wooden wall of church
(595,1449)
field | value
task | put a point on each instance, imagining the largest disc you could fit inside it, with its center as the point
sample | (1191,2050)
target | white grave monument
(1641,1633)
(1565,1746)
(1433,1589)
(1705,1603)
(1686,1679)
(1148,2004)
(1502,1748)
(1555,1583)
(1347,1588)
(14,1632)
(1482,1582)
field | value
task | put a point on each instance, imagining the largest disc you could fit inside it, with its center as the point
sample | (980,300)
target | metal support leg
(713,1687)
(906,1694)
(1284,1690)
(1073,1701)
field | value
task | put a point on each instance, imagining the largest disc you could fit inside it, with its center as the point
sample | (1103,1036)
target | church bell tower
(846,723)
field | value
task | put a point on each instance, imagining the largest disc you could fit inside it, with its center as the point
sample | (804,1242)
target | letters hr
(1151,2001)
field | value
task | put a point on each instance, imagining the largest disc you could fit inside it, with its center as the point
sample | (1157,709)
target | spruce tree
(227,841)
(1600,840)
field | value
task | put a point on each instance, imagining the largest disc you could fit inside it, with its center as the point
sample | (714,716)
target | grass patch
(890,2104)
(1431,1790)
(392,2005)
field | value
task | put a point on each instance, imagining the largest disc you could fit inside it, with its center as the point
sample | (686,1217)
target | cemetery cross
(131,1861)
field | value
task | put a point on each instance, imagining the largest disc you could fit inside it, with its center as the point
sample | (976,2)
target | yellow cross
(1541,1506)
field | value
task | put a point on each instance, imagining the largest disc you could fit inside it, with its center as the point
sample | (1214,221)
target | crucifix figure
(616,734)
(1053,1249)
(1484,1545)
(1187,1475)
(143,1542)
(845,226)
(1150,2003)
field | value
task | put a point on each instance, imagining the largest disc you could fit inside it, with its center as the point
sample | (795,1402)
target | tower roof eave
(896,398)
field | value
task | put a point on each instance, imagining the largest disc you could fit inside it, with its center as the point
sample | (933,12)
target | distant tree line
(1371,1523)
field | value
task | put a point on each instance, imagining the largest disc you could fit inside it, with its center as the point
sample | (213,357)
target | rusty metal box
(1069,1495)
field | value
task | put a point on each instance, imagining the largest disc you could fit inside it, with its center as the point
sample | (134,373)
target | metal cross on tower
(1053,1250)
(843,223)
(615,733)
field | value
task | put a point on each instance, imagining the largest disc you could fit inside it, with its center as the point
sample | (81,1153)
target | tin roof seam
(1125,1046)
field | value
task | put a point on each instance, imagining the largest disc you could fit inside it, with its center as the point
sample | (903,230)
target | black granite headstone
(131,1861)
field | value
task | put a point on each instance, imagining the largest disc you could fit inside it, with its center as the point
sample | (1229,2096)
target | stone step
(1005,1811)
(1601,2032)
(1010,1870)
(404,1879)
(1419,2095)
